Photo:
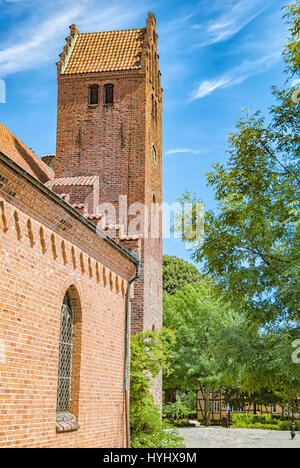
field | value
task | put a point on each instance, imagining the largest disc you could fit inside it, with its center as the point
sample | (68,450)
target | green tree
(257,360)
(197,314)
(177,273)
(291,51)
(149,354)
(251,243)
(237,398)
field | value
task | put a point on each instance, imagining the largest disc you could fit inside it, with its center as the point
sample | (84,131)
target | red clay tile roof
(15,149)
(73,181)
(106,51)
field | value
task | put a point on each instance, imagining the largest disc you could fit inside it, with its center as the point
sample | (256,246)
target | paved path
(219,437)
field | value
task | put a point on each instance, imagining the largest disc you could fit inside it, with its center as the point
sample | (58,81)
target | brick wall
(115,142)
(44,251)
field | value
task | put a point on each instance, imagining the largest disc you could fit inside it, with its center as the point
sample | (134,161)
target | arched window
(93,95)
(65,357)
(69,363)
(108,94)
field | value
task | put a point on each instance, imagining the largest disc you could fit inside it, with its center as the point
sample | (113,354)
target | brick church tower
(109,144)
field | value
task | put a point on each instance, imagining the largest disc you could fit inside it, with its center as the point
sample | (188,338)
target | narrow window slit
(65,420)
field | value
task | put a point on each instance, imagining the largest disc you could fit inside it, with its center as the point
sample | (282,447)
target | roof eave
(48,193)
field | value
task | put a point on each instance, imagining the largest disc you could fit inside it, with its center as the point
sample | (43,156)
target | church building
(80,260)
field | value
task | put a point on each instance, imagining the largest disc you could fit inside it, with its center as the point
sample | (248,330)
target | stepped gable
(102,51)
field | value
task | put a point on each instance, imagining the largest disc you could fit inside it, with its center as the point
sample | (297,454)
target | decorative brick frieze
(117,143)
(37,238)
(50,244)
(30,200)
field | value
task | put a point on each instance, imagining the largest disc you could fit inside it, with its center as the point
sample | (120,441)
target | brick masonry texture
(38,245)
(47,249)
(115,142)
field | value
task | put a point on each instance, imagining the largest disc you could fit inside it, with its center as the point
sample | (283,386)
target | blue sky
(216,56)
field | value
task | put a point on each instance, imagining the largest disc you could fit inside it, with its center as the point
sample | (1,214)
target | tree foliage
(177,273)
(237,398)
(251,243)
(291,51)
(149,354)
(258,361)
(197,314)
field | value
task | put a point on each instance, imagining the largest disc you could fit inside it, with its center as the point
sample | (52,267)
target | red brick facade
(122,145)
(46,250)
(50,246)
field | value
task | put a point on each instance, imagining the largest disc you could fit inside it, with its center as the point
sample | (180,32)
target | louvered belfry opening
(65,357)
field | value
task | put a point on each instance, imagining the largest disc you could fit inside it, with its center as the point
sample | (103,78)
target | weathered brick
(35,275)
(47,249)
(115,143)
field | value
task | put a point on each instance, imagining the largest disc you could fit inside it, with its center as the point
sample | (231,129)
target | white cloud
(236,75)
(296,83)
(232,19)
(182,151)
(40,41)
(207,87)
(36,50)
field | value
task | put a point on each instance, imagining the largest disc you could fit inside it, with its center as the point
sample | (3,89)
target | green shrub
(286,425)
(145,417)
(175,411)
(149,353)
(161,438)
(241,419)
(189,400)
(269,427)
(262,421)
